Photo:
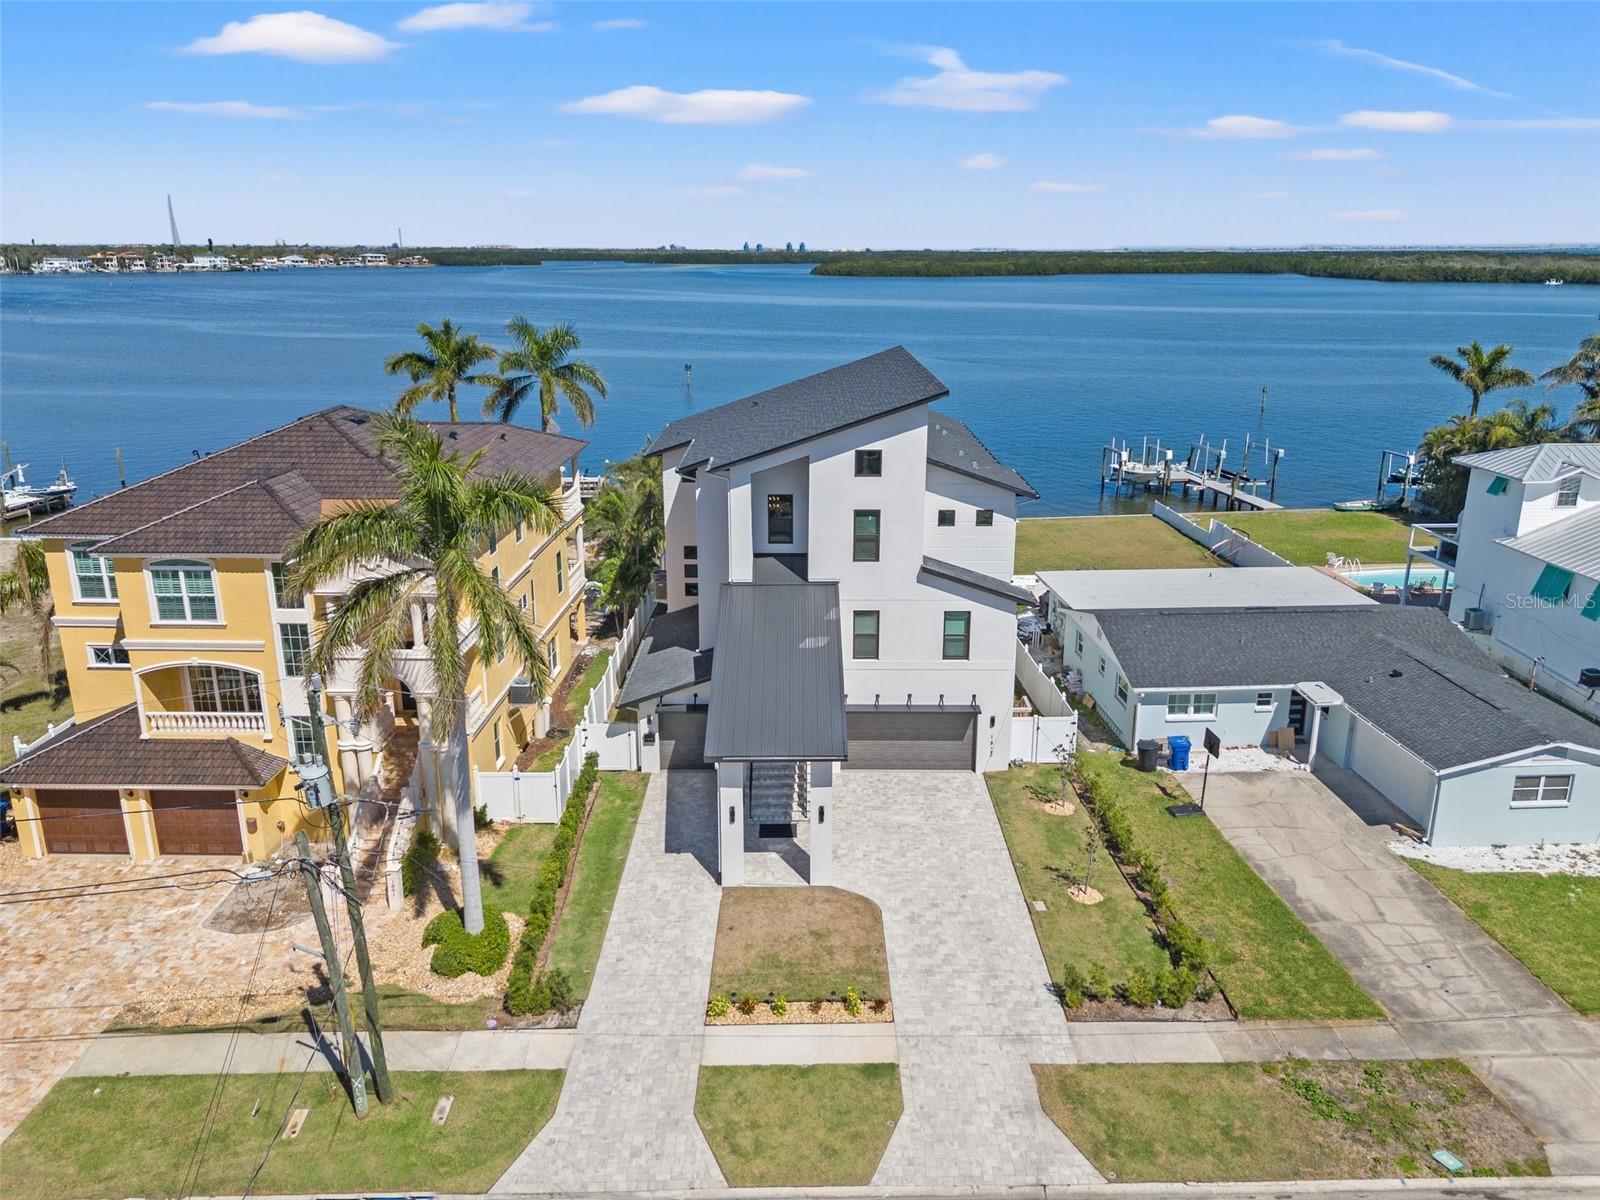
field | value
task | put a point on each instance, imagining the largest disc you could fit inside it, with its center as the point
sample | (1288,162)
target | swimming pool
(1395,576)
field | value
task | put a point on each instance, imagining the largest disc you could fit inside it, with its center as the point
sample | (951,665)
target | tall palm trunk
(466,827)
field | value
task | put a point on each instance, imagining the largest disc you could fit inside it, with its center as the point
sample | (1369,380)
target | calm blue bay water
(1045,370)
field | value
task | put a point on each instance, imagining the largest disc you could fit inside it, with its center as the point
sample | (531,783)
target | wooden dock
(1202,470)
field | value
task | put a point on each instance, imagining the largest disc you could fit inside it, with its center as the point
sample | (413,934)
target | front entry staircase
(776,793)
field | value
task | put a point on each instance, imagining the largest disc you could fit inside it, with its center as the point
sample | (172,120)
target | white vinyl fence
(1227,544)
(1041,689)
(1037,739)
(539,796)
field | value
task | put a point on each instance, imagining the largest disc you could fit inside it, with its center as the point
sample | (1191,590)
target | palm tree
(626,523)
(27,585)
(423,549)
(436,372)
(1517,424)
(1583,369)
(539,360)
(1482,372)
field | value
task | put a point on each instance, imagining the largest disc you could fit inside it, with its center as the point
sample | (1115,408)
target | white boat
(22,497)
(1554,282)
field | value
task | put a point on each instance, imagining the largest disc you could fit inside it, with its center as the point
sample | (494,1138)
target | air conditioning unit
(521,691)
(1475,620)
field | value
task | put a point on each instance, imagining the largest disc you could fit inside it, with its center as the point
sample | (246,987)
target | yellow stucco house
(185,649)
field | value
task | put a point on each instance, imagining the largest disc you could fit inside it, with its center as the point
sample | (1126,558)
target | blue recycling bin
(1179,747)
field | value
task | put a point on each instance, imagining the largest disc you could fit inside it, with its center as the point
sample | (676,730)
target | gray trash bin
(1149,754)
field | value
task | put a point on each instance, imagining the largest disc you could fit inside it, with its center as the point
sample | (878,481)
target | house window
(114,655)
(1122,690)
(691,589)
(864,634)
(1102,664)
(522,604)
(866,535)
(1498,485)
(284,595)
(780,520)
(184,591)
(572,624)
(985,517)
(552,656)
(1265,702)
(869,464)
(499,757)
(957,634)
(92,575)
(224,689)
(1541,791)
(690,552)
(691,570)
(947,518)
(1191,706)
(561,575)
(1567,494)
(302,739)
(494,540)
(1077,642)
(520,526)
(295,641)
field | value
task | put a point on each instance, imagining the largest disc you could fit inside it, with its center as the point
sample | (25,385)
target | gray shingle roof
(1408,671)
(777,687)
(1572,543)
(794,412)
(976,579)
(1537,463)
(108,752)
(956,448)
(669,658)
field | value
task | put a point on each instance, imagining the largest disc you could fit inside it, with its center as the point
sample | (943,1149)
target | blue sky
(840,125)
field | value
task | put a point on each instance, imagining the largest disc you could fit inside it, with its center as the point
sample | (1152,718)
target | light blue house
(1400,696)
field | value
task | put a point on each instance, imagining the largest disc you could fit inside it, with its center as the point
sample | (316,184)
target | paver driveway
(1451,989)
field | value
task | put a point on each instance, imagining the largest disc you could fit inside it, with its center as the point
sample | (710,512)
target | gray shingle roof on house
(1539,463)
(1572,543)
(1408,671)
(669,658)
(956,448)
(777,686)
(794,412)
(108,752)
(976,579)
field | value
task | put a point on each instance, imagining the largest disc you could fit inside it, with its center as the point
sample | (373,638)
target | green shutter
(1498,485)
(1552,584)
(1591,607)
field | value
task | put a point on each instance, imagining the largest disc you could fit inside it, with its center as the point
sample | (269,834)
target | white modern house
(1526,560)
(1398,695)
(838,562)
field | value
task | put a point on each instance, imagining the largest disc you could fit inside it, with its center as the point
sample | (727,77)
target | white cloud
(762,171)
(1243,127)
(1335,46)
(306,37)
(957,86)
(238,109)
(717,189)
(1059,187)
(1336,154)
(982,162)
(710,107)
(619,23)
(1421,121)
(487,14)
(1369,214)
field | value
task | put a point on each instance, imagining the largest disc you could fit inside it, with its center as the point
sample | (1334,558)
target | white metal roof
(1544,462)
(1202,587)
(1572,543)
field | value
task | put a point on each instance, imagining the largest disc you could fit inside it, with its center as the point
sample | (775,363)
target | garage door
(683,738)
(82,822)
(921,741)
(196,822)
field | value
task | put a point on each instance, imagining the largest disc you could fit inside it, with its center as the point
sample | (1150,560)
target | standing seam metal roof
(1538,463)
(1572,543)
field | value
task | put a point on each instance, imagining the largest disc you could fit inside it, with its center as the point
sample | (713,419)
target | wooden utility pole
(330,955)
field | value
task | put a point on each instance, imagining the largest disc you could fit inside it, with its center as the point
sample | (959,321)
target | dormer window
(92,575)
(1567,494)
(184,591)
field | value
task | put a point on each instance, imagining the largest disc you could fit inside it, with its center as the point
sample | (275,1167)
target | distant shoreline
(1534,266)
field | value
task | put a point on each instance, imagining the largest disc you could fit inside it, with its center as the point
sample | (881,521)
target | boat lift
(1204,467)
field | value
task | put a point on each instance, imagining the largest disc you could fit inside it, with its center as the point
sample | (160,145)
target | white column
(730,823)
(417,634)
(1405,583)
(349,765)
(1316,728)
(821,801)
(649,724)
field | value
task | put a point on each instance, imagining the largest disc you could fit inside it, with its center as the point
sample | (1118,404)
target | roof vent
(1396,673)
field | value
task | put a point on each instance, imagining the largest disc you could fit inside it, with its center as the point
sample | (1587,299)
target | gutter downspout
(1433,809)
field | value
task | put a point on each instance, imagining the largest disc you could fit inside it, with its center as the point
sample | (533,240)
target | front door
(1297,714)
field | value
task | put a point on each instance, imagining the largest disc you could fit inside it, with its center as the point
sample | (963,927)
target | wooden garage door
(88,822)
(683,738)
(196,822)
(911,741)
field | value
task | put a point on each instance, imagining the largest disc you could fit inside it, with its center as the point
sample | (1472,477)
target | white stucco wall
(991,549)
(1475,805)
(711,527)
(1401,776)
(682,528)
(786,479)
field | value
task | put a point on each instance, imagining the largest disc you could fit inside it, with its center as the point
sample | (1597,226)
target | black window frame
(781,538)
(691,589)
(691,552)
(947,518)
(858,539)
(869,464)
(965,635)
(856,635)
(984,517)
(691,570)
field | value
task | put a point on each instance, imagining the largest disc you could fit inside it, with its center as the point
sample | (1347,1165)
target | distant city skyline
(945,126)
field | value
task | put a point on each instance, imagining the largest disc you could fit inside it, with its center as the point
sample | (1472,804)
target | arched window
(92,576)
(184,591)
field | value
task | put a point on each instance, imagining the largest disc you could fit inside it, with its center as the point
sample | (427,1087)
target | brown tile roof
(108,752)
(252,498)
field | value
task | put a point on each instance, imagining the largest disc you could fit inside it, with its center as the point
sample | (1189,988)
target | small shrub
(747,1005)
(1187,947)
(879,1003)
(1097,983)
(852,1001)
(456,951)
(1073,986)
(1176,985)
(816,1003)
(553,993)
(780,1006)
(423,854)
(480,817)
(1140,988)
(718,1007)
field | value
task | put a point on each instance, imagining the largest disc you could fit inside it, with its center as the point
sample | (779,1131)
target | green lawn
(819,1126)
(1206,1122)
(1270,966)
(509,872)
(1307,536)
(110,1137)
(27,702)
(1550,922)
(601,856)
(799,943)
(1047,849)
(1104,544)
(576,700)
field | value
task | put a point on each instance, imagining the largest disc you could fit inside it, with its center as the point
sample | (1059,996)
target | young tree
(437,371)
(538,363)
(26,585)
